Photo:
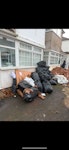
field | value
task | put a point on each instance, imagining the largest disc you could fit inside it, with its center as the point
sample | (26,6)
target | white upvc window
(7,52)
(29,55)
(46,57)
(54,58)
(62,58)
(10,40)
(7,57)
(37,54)
(25,58)
(51,57)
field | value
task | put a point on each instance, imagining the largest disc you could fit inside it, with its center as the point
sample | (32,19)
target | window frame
(9,48)
(58,55)
(32,51)
(16,50)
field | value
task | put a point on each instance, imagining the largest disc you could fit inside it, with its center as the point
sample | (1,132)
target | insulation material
(21,74)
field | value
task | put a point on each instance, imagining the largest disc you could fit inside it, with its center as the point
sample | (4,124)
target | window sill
(12,68)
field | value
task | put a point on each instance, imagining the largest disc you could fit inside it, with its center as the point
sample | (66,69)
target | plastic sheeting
(30,81)
(13,75)
(61,79)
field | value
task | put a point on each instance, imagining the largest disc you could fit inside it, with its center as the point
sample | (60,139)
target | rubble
(41,80)
(61,79)
(21,74)
(66,102)
(25,80)
(61,71)
(5,93)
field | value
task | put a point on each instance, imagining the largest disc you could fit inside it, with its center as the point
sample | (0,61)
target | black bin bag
(36,78)
(23,85)
(53,82)
(30,97)
(39,85)
(47,88)
(41,64)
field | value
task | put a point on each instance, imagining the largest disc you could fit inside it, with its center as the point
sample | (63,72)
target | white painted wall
(66,34)
(35,35)
(5,78)
(65,46)
(58,32)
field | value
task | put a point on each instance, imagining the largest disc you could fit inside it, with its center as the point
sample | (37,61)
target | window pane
(51,60)
(36,58)
(53,53)
(54,60)
(56,54)
(46,53)
(36,49)
(7,57)
(46,59)
(25,58)
(29,58)
(25,46)
(5,42)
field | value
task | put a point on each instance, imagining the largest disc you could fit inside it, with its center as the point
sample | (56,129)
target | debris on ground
(19,92)
(44,115)
(21,74)
(61,79)
(40,81)
(66,91)
(66,102)
(37,80)
(60,71)
(29,85)
(57,112)
(4,93)
(30,95)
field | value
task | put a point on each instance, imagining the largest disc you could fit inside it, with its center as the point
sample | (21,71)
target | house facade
(19,49)
(65,49)
(53,53)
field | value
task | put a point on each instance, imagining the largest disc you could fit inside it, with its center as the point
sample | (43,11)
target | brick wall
(53,41)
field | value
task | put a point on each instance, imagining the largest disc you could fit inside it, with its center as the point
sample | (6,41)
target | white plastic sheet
(30,81)
(13,75)
(61,79)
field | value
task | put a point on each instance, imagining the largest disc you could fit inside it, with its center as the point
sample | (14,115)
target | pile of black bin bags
(43,79)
